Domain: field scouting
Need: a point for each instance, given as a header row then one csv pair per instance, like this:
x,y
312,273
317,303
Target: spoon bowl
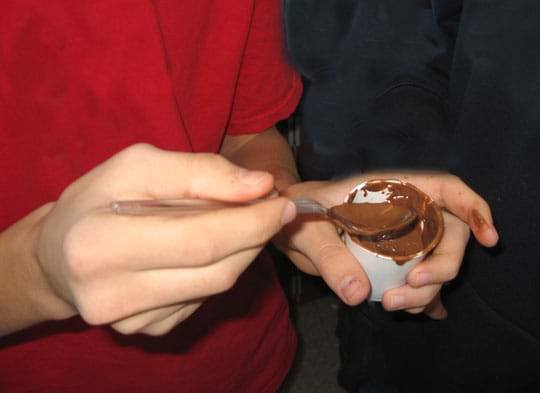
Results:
x,y
372,219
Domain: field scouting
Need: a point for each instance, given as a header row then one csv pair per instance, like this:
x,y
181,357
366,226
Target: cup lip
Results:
x,y
438,213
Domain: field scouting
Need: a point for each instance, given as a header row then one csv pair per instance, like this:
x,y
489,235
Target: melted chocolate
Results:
x,y
373,219
416,239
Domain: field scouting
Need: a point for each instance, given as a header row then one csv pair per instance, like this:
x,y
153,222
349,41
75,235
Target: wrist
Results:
x,y
26,296
48,303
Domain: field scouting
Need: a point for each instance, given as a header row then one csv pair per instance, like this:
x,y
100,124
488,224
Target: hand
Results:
x,y
315,247
147,274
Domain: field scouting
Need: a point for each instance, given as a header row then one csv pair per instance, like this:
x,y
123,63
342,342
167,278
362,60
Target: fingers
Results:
x,y
157,261
169,286
422,294
156,322
443,264
141,243
135,323
414,300
341,271
436,309
165,174
111,298
165,326
483,228
470,207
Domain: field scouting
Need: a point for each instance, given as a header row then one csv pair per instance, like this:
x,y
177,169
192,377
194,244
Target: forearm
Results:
x,y
266,151
25,296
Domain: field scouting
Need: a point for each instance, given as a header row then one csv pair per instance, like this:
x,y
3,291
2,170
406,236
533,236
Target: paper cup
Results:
x,y
387,262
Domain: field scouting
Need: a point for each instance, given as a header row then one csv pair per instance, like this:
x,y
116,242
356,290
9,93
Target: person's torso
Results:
x,y
374,100
80,81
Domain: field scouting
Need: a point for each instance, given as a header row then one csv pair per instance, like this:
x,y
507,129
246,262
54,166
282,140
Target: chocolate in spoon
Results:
x,y
364,219
372,219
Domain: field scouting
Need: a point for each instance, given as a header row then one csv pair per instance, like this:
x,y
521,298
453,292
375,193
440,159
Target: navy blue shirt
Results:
x,y
452,85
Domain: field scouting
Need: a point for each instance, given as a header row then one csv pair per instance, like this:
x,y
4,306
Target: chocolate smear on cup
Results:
x,y
417,239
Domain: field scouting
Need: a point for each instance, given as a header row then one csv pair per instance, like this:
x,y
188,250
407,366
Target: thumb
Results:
x,y
212,176
166,174
334,262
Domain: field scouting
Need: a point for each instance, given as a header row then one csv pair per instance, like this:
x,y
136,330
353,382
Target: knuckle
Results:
x,y
100,305
226,279
136,155
201,162
80,263
90,313
448,181
453,178
328,252
200,165
452,273
137,150
452,181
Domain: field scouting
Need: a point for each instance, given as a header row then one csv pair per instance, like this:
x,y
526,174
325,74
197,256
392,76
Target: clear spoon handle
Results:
x,y
309,206
183,207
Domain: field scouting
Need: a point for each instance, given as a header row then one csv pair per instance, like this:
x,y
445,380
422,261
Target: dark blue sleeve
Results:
x,y
376,82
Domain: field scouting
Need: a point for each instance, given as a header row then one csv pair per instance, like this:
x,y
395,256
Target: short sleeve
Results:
x,y
268,88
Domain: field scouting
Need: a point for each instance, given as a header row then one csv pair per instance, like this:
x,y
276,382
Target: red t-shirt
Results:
x,y
81,80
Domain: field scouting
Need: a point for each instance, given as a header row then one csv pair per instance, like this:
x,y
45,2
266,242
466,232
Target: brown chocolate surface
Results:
x,y
419,238
372,219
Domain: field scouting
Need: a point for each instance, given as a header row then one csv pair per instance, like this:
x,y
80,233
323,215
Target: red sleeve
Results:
x,y
268,88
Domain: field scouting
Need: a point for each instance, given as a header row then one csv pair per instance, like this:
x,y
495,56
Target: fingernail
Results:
x,y
397,302
251,178
495,235
350,286
289,213
423,278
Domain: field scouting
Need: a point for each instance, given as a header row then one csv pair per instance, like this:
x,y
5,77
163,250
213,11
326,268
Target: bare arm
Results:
x,y
312,250
315,247
25,295
77,257
267,151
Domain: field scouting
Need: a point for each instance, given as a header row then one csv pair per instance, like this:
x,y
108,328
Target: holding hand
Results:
x,y
147,274
315,247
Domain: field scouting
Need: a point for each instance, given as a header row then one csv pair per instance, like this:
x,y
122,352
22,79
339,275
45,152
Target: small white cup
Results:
x,y
383,271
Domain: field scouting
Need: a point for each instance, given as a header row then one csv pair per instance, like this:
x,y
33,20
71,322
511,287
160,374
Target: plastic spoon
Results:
x,y
361,219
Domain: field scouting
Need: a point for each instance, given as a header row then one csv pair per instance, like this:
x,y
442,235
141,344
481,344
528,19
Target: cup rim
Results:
x,y
438,213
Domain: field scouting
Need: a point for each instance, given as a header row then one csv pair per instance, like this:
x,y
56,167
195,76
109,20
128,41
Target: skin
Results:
x,y
75,256
315,247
